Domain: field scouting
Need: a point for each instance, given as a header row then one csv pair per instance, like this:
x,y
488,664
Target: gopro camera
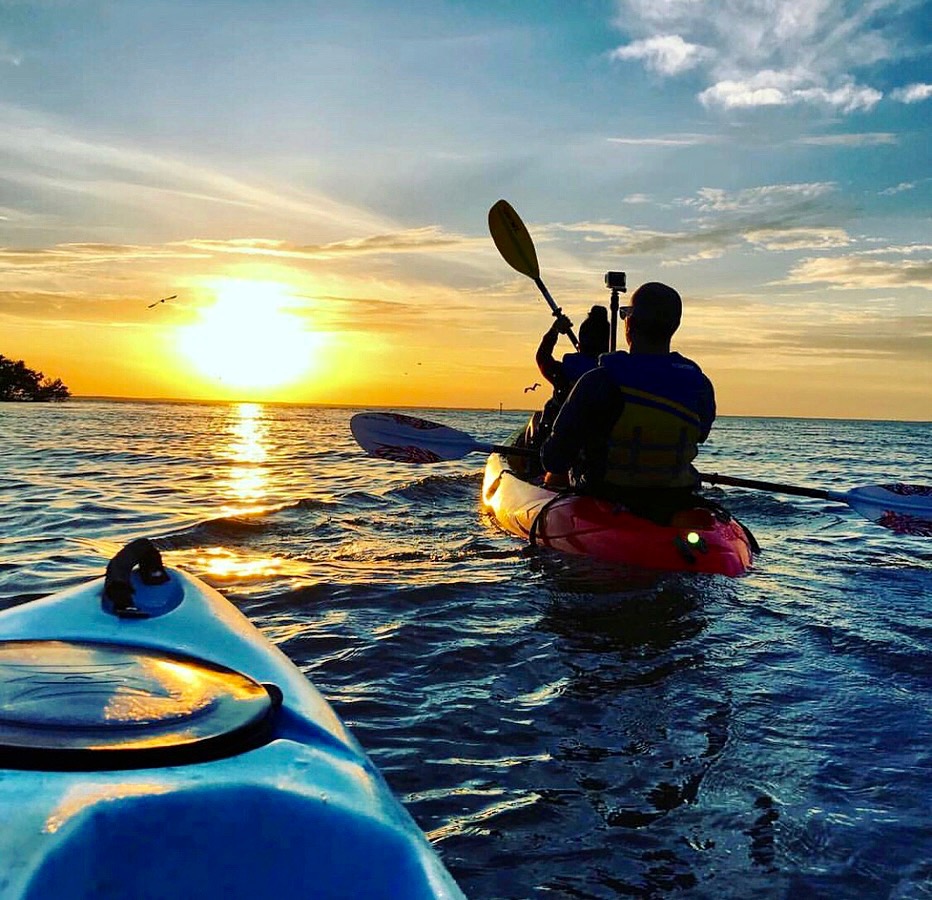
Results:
x,y
615,281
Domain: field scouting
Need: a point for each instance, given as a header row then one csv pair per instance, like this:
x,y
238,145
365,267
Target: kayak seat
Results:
x,y
232,840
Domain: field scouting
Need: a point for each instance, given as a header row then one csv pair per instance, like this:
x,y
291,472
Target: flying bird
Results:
x,y
533,387
157,302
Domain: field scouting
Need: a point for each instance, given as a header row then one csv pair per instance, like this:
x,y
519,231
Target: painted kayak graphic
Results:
x,y
696,540
153,743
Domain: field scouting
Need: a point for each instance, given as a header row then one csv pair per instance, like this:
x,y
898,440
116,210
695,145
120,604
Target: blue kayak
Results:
x,y
154,744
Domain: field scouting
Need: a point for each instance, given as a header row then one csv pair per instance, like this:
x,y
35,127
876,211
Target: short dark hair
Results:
x,y
656,310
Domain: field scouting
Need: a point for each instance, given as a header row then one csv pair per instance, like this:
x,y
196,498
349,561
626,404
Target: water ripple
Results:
x,y
556,726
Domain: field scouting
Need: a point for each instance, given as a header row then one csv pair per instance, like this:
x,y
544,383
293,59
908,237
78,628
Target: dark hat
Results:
x,y
594,332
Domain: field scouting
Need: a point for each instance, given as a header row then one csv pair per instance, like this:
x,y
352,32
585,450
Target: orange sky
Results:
x,y
313,183
272,331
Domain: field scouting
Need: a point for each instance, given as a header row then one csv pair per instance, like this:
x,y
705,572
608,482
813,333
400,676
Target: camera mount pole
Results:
x,y
615,281
614,308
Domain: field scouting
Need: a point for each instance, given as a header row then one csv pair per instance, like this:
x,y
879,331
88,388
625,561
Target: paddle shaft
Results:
x,y
507,451
557,312
713,478
817,493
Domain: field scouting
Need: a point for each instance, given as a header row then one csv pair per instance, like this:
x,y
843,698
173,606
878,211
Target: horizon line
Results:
x,y
503,409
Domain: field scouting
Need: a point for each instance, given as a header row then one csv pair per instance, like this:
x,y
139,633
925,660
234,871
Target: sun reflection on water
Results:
x,y
222,563
248,476
245,490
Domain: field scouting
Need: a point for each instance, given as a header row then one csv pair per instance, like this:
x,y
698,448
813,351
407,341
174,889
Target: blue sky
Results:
x,y
769,159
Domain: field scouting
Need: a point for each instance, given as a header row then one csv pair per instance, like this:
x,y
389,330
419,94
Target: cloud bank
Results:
x,y
760,53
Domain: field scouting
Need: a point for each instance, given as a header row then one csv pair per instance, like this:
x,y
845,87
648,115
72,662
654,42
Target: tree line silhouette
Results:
x,y
19,382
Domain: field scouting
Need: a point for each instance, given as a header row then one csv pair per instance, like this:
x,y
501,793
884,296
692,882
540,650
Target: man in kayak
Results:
x,y
631,427
565,372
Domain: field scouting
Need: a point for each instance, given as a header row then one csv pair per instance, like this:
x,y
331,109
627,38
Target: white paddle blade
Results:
x,y
903,508
408,439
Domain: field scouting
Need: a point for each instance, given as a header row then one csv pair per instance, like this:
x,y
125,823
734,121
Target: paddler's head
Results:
x,y
594,333
652,318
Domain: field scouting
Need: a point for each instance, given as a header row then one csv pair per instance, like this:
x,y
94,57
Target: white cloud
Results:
x,y
854,272
772,88
766,196
912,93
898,189
798,238
429,239
741,95
701,256
849,97
667,54
637,198
45,155
862,139
673,140
896,250
775,217
760,53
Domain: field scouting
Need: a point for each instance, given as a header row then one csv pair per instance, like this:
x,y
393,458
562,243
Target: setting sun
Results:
x,y
249,337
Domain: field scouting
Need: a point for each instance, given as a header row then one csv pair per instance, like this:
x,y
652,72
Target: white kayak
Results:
x,y
154,744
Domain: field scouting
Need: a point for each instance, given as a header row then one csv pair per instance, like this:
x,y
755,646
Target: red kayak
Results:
x,y
696,540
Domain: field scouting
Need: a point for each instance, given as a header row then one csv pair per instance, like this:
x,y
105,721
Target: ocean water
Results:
x,y
557,728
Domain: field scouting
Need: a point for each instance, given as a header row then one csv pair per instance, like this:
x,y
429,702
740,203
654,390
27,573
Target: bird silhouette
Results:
x,y
157,302
533,387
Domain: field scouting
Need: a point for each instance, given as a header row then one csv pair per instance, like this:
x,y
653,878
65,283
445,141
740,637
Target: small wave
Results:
x,y
439,487
887,656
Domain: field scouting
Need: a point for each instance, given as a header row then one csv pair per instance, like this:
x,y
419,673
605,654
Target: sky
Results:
x,y
310,183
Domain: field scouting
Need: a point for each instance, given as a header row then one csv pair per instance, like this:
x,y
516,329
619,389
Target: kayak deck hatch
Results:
x,y
86,705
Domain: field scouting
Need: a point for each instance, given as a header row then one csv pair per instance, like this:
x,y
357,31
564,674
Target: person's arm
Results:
x,y
706,410
548,366
582,409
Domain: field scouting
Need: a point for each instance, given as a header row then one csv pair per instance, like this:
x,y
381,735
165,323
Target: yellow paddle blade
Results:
x,y
512,239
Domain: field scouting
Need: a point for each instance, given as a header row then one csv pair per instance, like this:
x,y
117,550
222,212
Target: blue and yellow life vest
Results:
x,y
668,409
575,365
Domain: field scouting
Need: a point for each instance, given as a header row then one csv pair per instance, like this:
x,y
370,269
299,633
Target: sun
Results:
x,y
248,338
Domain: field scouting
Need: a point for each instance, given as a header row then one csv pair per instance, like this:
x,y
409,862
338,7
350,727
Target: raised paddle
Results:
x,y
517,249
903,508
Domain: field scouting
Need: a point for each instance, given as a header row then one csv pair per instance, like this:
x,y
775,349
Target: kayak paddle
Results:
x,y
903,508
517,249
408,439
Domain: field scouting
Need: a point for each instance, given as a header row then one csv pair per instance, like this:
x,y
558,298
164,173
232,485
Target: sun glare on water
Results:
x,y
249,339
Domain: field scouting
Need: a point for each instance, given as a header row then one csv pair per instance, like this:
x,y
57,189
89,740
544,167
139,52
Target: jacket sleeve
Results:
x,y
579,415
706,410
550,368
